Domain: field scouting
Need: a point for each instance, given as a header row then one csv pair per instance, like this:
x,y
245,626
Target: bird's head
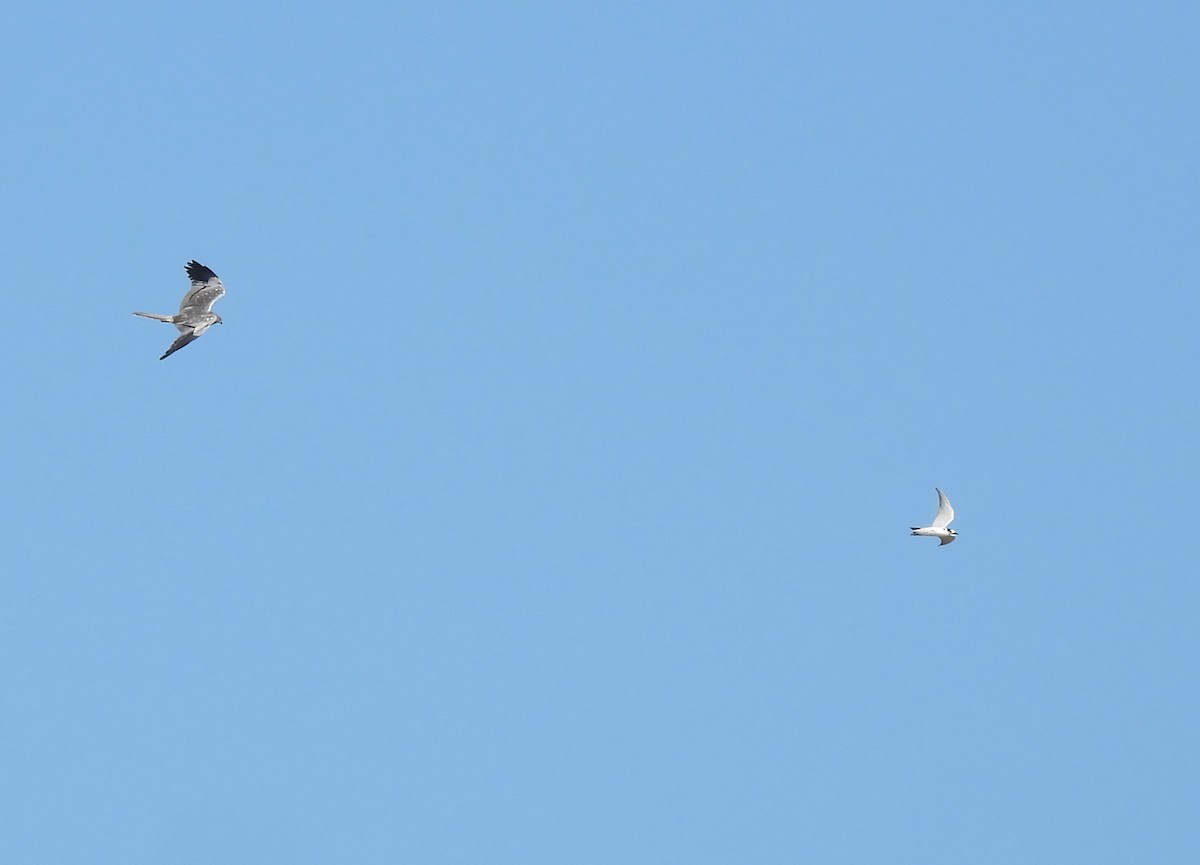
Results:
x,y
951,531
218,321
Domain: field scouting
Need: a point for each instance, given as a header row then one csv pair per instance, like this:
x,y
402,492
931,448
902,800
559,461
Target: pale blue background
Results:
x,y
545,496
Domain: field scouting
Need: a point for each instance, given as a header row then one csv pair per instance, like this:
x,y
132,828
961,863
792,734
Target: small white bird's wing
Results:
x,y
205,291
949,539
945,514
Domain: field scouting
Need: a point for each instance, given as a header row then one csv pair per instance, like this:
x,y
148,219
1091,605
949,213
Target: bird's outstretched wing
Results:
x,y
205,291
184,338
949,539
945,513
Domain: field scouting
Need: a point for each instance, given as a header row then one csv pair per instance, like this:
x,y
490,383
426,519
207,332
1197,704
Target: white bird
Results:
x,y
195,311
945,516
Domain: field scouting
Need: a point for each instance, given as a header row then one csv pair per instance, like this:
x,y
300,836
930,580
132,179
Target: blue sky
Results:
x,y
545,496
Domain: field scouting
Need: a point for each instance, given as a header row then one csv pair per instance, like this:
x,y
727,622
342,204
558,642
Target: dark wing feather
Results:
x,y
197,272
184,339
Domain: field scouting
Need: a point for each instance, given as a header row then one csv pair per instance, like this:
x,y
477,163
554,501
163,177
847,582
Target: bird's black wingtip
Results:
x,y
197,272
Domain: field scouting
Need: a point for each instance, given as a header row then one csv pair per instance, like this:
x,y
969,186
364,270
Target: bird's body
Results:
x,y
195,314
939,528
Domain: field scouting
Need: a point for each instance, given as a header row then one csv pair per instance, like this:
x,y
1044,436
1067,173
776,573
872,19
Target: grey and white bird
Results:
x,y
195,314
945,515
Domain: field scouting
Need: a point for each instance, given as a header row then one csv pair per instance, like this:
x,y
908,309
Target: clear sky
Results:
x,y
545,496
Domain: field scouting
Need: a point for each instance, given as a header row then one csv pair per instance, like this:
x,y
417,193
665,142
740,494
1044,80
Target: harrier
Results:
x,y
195,311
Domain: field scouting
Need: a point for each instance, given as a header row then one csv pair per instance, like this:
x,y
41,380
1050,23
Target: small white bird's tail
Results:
x,y
156,316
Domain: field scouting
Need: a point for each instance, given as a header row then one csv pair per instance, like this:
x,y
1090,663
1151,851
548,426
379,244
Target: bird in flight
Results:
x,y
195,314
945,516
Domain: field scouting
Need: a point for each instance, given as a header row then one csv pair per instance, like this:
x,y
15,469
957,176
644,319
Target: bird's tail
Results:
x,y
156,316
